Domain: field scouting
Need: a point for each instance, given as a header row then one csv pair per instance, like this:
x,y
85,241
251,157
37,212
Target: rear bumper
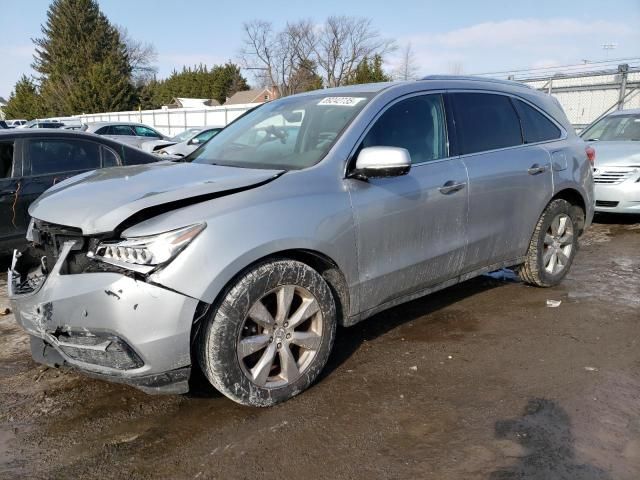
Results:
x,y
622,198
108,325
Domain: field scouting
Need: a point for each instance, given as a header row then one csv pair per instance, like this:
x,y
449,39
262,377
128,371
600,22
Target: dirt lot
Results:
x,y
483,380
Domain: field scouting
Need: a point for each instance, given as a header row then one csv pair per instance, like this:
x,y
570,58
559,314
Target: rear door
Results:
x,y
411,229
510,182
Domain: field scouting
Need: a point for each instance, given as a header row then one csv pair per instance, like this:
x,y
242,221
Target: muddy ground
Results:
x,y
480,381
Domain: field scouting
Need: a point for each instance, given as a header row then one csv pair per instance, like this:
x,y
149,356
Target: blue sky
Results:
x,y
472,36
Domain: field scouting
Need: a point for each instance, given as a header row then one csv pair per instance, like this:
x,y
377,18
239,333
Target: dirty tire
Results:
x,y
219,345
533,271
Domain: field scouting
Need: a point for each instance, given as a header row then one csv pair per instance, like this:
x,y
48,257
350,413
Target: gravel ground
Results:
x,y
480,381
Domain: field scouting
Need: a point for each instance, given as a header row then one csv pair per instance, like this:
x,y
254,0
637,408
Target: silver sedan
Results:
x,y
616,173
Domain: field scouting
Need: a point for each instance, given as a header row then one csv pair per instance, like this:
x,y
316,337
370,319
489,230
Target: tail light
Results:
x,y
591,154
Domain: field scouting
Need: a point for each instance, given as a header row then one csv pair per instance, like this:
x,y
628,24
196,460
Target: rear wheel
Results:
x,y
553,246
271,335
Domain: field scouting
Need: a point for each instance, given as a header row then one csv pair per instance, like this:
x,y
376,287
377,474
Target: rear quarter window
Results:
x,y
536,127
485,121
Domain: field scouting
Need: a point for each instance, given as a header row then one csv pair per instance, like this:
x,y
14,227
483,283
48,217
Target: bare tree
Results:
x,y
456,68
288,59
407,68
278,57
342,43
142,57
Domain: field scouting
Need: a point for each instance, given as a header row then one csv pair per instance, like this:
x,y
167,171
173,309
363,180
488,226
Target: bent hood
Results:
x,y
623,154
100,200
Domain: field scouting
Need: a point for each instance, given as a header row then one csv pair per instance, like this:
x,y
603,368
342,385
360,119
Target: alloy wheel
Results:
x,y
558,244
280,336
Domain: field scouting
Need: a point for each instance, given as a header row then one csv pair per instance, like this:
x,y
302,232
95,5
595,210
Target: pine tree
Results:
x,y
369,71
25,101
82,61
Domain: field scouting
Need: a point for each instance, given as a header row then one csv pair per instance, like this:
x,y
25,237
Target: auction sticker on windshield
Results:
x,y
341,101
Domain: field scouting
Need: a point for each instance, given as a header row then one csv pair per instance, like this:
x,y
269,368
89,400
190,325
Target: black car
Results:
x,y
31,161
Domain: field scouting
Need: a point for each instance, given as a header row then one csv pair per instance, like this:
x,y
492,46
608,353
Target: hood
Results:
x,y
100,200
616,153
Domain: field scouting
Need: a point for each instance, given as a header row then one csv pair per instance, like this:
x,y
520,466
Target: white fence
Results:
x,y
175,120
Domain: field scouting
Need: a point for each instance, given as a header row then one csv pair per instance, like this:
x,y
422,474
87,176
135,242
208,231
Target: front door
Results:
x,y
12,225
411,230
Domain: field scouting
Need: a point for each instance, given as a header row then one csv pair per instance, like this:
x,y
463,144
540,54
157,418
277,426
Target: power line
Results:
x,y
566,67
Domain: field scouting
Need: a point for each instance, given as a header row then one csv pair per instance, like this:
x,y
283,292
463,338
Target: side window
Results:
x,y
485,121
535,126
417,124
6,159
145,132
109,158
56,156
204,136
121,130
104,131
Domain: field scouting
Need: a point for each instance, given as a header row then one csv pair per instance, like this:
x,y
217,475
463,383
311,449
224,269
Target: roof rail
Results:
x,y
475,79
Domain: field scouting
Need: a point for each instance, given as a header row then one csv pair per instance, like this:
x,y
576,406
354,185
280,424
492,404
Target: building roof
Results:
x,y
251,96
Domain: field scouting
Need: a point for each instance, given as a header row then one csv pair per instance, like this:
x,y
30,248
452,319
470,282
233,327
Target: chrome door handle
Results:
x,y
7,192
536,169
451,186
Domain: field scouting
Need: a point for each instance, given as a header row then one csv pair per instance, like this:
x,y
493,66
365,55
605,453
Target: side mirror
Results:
x,y
381,162
194,141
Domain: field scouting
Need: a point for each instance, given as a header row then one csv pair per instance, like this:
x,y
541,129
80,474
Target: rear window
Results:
x,y
485,121
535,126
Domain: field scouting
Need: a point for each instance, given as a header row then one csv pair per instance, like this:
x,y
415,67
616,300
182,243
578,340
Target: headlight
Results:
x,y
30,231
148,251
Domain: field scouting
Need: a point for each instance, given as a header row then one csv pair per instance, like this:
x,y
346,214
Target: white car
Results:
x,y
185,147
152,146
16,123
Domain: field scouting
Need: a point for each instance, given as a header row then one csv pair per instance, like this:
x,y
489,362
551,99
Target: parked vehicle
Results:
x,y
311,211
42,124
616,174
16,123
134,134
32,161
185,147
153,145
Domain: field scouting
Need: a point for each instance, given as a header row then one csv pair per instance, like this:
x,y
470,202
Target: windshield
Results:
x,y
290,133
614,128
186,135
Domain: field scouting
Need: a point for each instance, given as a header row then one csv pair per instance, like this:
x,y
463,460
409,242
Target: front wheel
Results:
x,y
553,246
271,334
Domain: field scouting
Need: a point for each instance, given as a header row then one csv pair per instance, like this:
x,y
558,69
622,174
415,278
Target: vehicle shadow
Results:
x,y
544,432
349,340
616,218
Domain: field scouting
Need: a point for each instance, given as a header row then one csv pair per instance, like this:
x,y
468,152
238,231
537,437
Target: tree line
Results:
x,y
85,64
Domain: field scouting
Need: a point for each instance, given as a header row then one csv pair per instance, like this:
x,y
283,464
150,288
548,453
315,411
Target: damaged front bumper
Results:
x,y
106,324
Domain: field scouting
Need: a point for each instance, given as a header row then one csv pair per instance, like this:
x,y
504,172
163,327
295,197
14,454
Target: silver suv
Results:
x,y
312,211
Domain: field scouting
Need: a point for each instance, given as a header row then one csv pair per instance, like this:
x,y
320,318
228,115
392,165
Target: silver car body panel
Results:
x,y
118,193
154,321
392,239
617,176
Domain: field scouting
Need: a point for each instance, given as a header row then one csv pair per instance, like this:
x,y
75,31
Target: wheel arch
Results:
x,y
322,263
576,199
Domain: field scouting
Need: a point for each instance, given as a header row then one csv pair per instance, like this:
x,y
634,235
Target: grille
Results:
x,y
612,175
606,203
99,349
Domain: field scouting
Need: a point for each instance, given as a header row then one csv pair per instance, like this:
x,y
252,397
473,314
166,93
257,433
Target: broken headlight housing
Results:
x,y
143,254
